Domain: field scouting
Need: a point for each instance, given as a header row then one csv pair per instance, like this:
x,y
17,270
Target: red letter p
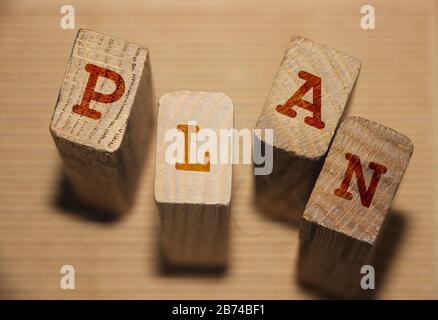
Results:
x,y
95,72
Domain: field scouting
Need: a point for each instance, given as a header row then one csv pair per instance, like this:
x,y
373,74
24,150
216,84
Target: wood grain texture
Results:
x,y
337,72
229,46
103,148
349,203
303,107
193,197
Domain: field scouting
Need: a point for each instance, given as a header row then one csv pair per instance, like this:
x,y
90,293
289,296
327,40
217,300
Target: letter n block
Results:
x,y
101,119
348,205
303,107
193,192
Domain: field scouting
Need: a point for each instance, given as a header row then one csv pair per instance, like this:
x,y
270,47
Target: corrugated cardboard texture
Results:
x,y
229,46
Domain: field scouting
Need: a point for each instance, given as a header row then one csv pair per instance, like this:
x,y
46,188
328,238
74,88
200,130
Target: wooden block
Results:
x,y
304,105
102,119
193,195
348,205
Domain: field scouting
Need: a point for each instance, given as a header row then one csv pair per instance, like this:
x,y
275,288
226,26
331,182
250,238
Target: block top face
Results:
x,y
308,97
188,180
361,151
98,90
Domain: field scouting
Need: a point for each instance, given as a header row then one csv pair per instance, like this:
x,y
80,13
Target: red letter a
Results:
x,y
314,82
354,166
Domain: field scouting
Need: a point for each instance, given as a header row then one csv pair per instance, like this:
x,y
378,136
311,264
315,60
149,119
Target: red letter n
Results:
x,y
354,166
89,94
314,82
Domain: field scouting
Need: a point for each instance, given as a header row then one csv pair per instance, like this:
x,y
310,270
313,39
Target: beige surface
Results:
x,y
213,46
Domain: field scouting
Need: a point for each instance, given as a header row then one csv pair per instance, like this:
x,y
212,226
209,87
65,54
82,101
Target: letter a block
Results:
x,y
101,119
348,205
304,105
193,192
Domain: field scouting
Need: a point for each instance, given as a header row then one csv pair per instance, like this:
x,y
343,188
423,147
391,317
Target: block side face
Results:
x,y
349,209
195,234
337,72
118,66
330,261
211,112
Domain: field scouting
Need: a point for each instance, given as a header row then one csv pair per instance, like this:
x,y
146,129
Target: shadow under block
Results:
x,y
303,107
103,118
193,193
348,205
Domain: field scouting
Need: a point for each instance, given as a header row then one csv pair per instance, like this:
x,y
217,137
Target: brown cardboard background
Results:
x,y
229,46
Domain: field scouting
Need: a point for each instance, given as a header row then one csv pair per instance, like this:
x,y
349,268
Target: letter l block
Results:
x,y
193,195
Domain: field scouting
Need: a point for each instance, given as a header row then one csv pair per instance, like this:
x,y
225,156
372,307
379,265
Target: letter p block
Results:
x,y
102,119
